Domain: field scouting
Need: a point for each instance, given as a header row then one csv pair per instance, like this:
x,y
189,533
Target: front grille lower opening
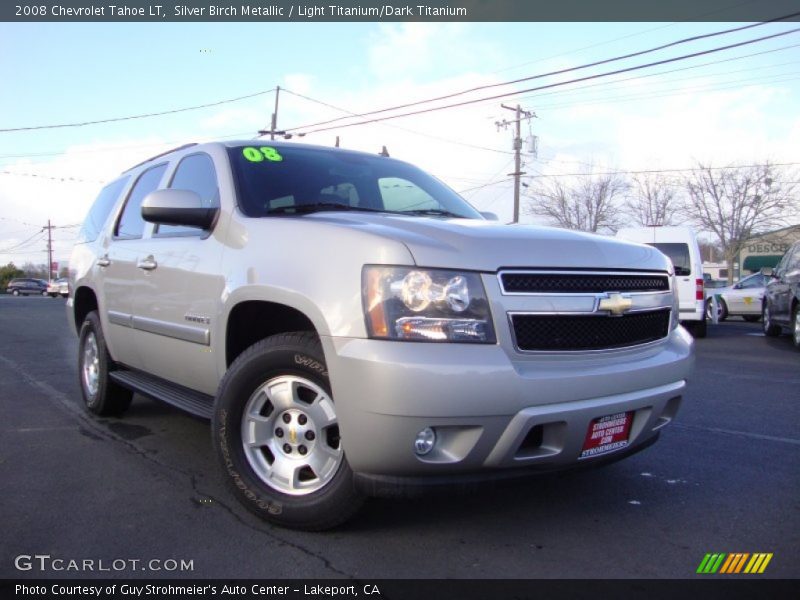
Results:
x,y
588,332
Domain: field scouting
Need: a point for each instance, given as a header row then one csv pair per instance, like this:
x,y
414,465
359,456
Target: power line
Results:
x,y
559,84
421,133
30,240
740,84
624,37
648,75
142,116
551,73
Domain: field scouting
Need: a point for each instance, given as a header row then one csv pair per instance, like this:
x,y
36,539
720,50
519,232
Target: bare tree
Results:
x,y
591,204
653,201
735,203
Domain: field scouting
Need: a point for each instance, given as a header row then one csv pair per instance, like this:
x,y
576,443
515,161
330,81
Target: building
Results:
x,y
766,249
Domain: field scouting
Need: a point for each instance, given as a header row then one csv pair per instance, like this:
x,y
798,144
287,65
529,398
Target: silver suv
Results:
x,y
353,327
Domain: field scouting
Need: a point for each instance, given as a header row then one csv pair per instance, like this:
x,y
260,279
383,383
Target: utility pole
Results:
x,y
517,150
49,228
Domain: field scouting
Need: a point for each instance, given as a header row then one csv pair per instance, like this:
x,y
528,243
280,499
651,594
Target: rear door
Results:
x,y
678,253
788,274
120,270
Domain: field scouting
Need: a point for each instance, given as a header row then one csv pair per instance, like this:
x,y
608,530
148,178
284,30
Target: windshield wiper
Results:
x,y
432,211
304,209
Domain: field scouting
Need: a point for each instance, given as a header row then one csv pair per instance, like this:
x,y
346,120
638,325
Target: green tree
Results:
x,y
7,273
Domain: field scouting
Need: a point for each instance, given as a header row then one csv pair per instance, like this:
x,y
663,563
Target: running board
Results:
x,y
196,403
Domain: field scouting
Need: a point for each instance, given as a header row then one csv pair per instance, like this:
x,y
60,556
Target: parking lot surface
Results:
x,y
725,477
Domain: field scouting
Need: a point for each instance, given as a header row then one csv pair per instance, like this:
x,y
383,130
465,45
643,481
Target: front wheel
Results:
x,y
770,328
796,327
15,293
101,395
276,433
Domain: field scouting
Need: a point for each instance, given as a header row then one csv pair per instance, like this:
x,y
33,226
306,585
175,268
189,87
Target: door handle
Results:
x,y
148,264
103,262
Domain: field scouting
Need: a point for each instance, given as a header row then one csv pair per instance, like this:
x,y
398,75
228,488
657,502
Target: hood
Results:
x,y
479,245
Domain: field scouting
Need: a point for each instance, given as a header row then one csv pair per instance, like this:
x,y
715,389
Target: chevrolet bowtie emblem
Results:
x,y
616,304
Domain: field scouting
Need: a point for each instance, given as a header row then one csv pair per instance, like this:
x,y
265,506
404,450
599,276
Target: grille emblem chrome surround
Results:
x,y
616,304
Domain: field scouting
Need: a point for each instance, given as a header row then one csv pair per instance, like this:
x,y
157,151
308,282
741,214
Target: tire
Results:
x,y
276,435
751,318
44,293
101,396
770,328
698,329
15,293
796,327
722,310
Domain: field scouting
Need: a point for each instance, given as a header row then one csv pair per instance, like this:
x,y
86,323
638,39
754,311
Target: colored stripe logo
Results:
x,y
737,562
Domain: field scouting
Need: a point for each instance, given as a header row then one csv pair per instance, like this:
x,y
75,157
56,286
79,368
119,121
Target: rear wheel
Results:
x,y
770,328
796,327
101,395
698,329
276,433
722,309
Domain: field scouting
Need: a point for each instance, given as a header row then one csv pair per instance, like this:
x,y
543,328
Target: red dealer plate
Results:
x,y
607,433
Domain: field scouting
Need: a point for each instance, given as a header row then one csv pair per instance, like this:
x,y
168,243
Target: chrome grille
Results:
x,y
578,283
543,332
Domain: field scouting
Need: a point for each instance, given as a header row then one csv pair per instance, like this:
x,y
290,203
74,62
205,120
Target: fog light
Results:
x,y
425,441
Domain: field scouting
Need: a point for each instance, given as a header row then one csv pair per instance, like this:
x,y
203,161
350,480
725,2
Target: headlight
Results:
x,y
675,315
406,303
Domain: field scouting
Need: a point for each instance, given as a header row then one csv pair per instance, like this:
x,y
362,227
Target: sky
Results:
x,y
736,106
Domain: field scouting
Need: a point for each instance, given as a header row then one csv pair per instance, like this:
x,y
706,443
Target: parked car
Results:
x,y
780,308
26,286
680,245
740,299
59,287
351,326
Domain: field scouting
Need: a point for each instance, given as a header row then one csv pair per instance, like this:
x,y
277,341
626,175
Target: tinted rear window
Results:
x,y
679,255
100,210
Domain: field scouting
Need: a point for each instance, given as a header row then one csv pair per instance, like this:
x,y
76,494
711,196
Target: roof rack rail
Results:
x,y
162,154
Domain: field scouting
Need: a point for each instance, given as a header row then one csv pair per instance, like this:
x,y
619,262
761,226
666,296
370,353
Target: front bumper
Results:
x,y
493,409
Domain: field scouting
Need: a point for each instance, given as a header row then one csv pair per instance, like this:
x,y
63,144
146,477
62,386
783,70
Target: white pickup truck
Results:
x,y
352,327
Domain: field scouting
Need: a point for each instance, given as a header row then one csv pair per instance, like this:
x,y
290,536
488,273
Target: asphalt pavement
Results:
x,y
145,489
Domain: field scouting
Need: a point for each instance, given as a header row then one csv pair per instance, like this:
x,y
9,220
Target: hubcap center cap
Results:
x,y
296,433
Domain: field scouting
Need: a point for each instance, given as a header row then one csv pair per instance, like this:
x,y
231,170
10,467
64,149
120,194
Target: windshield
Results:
x,y
679,255
285,179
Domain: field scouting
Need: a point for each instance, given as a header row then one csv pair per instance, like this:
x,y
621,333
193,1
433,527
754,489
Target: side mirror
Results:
x,y
178,207
490,216
767,271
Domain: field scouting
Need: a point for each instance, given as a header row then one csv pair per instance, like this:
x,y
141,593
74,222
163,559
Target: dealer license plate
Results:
x,y
607,433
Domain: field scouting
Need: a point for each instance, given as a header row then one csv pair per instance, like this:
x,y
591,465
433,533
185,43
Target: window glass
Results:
x,y
131,223
753,281
679,255
401,194
195,173
271,178
793,261
100,210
